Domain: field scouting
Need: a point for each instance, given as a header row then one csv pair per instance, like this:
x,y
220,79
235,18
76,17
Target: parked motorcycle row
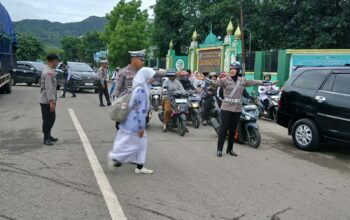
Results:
x,y
188,108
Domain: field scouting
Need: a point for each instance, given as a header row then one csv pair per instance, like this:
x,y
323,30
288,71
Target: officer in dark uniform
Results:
x,y
48,98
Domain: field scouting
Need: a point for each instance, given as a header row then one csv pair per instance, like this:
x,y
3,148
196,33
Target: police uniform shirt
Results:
x,y
48,86
124,80
102,74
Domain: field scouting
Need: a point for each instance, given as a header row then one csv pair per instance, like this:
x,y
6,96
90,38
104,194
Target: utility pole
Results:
x,y
242,36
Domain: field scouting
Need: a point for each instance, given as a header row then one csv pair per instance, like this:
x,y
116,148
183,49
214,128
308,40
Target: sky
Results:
x,y
62,10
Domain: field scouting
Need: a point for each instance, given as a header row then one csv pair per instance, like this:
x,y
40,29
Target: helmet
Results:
x,y
170,72
213,74
267,74
235,65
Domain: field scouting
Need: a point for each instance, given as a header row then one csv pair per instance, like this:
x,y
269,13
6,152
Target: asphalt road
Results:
x,y
276,181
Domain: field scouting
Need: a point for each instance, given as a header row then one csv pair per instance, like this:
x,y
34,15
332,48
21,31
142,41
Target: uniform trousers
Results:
x,y
229,122
48,119
103,91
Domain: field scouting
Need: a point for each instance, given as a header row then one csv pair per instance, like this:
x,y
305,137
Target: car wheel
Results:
x,y
305,134
58,87
29,84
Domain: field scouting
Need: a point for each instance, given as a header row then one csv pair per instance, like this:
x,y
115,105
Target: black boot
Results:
x,y
47,140
52,139
219,153
102,105
231,152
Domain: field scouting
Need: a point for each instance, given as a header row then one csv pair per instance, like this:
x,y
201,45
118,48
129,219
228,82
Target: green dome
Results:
x,y
211,38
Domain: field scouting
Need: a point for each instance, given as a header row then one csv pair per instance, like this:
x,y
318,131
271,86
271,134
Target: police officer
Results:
x,y
103,88
126,75
48,98
233,88
68,81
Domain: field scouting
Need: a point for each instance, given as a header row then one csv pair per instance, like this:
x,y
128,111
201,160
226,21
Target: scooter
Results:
x,y
248,128
271,111
179,103
215,117
156,95
193,107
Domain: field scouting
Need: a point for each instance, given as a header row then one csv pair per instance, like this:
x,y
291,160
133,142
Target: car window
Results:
x,y
20,66
38,66
341,84
80,67
328,86
311,79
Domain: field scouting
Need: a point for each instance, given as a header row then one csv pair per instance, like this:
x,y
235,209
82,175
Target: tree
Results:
x,y
274,24
71,47
91,43
30,49
127,29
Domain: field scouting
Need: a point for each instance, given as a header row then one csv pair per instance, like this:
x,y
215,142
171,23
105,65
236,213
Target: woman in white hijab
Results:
x,y
130,144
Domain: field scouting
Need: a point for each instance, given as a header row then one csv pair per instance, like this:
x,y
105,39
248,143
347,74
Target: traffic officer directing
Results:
x,y
48,98
233,87
126,75
103,88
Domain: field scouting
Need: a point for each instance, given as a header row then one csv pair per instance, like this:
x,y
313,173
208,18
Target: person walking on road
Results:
x,y
103,87
130,144
233,87
68,82
125,76
48,98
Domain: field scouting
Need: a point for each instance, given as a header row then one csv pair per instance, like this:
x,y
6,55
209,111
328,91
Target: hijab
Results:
x,y
142,78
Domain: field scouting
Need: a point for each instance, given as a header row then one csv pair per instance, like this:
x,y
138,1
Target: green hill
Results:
x,y
51,33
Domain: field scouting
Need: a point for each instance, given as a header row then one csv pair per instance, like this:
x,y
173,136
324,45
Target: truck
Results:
x,y
8,46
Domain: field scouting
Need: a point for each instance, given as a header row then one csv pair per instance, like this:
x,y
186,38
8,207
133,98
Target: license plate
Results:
x,y
181,100
89,84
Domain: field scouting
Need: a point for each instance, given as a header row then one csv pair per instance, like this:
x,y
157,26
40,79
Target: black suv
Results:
x,y
28,72
315,106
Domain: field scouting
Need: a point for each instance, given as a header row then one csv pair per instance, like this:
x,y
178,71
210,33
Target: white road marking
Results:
x,y
109,196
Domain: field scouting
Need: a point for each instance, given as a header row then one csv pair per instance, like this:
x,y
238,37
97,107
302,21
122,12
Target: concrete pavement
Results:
x,y
276,181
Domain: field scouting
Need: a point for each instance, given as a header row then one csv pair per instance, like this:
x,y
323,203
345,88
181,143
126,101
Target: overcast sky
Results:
x,y
62,10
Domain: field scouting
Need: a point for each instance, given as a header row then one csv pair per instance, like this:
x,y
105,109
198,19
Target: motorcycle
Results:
x,y
215,118
156,95
193,107
179,103
271,111
248,128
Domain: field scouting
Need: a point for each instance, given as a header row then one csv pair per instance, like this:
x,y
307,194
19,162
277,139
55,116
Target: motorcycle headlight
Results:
x,y
247,117
156,96
195,105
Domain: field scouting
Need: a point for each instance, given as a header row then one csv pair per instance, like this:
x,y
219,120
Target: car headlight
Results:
x,y
76,77
195,105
